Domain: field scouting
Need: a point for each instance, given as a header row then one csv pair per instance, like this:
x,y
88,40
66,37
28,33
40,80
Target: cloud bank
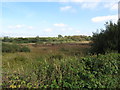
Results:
x,y
113,18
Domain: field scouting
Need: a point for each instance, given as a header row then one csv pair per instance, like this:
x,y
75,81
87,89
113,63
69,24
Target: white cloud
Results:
x,y
60,25
113,18
10,27
77,0
84,1
78,31
48,30
70,28
111,6
20,26
16,26
66,29
89,5
58,0
114,7
30,27
93,0
65,8
63,29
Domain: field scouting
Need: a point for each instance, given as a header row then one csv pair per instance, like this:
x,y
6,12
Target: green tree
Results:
x,y
60,36
106,40
7,39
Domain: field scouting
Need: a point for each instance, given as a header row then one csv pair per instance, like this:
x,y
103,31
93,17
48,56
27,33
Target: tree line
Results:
x,y
38,39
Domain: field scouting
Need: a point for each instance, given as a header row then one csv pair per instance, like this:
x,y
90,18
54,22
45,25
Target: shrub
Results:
x,y
11,48
24,49
107,40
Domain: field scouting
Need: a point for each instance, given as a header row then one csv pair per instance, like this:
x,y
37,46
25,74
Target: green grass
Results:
x,y
57,66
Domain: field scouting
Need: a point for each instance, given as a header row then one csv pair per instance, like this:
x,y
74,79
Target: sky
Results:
x,y
49,19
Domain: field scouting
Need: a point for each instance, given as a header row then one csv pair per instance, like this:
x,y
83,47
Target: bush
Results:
x,y
107,40
11,48
24,49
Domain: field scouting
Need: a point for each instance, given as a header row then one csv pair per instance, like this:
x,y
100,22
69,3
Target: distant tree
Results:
x,y
60,36
37,38
7,39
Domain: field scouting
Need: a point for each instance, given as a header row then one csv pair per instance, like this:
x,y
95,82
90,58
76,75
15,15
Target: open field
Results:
x,y
59,65
44,51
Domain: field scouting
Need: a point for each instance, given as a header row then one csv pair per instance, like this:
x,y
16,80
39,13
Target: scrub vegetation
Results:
x,y
63,62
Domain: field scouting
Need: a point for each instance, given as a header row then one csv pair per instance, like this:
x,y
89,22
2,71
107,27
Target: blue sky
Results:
x,y
48,19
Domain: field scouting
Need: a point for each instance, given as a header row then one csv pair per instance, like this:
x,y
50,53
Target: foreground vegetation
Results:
x,y
63,63
58,71
60,66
